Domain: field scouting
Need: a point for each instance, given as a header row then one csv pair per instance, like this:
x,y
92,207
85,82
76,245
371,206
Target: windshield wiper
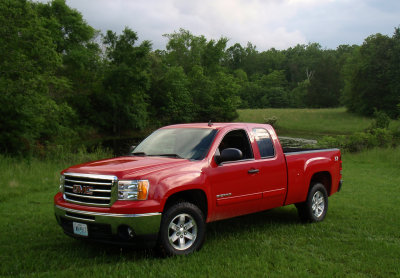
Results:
x,y
168,154
139,154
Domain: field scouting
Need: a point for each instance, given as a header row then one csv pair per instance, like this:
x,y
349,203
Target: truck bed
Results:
x,y
299,164
303,150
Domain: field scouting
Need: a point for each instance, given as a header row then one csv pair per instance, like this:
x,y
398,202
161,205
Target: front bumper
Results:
x,y
110,227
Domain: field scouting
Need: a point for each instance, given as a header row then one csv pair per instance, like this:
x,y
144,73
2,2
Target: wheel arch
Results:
x,y
323,177
195,196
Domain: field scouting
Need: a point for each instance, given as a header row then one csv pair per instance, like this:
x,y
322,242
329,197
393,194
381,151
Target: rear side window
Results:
x,y
264,142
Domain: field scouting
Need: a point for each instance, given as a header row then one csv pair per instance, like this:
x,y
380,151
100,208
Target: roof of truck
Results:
x,y
206,125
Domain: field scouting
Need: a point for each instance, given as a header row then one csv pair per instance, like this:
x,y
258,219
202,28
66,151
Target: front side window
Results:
x,y
188,143
264,142
237,139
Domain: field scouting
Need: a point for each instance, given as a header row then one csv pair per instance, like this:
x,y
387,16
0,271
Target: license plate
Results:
x,y
80,229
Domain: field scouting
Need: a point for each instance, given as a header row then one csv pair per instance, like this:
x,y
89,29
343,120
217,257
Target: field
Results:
x,y
360,236
310,123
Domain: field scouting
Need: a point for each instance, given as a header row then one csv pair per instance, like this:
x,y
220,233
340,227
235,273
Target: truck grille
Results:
x,y
87,189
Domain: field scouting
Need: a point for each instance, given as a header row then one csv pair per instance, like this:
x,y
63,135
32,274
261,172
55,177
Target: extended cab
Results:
x,y
184,176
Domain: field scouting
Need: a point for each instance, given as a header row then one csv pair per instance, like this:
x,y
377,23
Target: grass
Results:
x,y
311,123
360,236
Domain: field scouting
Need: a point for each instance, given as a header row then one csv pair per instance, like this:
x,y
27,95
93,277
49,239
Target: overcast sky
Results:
x,y
265,23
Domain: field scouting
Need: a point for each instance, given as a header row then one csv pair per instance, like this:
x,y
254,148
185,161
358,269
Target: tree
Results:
x,y
175,101
82,67
185,50
324,86
200,88
123,103
234,57
321,71
226,98
372,76
213,92
29,114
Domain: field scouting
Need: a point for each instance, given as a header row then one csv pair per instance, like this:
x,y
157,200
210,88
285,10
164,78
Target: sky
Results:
x,y
266,24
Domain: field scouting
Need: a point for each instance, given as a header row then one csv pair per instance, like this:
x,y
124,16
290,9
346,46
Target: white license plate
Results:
x,y
80,229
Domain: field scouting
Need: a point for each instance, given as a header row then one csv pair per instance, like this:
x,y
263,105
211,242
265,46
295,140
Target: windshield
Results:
x,y
188,143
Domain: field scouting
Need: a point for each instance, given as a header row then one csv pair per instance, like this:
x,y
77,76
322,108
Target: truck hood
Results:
x,y
127,167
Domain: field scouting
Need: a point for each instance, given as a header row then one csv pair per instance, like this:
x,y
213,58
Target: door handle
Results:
x,y
253,171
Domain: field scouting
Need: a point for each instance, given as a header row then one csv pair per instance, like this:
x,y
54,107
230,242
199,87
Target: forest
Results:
x,y
63,82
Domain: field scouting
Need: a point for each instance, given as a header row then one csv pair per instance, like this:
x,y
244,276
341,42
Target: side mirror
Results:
x,y
229,154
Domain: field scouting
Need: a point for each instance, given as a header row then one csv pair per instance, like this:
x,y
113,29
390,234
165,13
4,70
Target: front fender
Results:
x,y
183,181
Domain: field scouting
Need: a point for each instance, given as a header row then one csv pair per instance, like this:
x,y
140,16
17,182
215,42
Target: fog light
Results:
x,y
126,232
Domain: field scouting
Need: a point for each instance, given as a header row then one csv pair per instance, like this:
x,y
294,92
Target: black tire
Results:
x,y
182,230
315,207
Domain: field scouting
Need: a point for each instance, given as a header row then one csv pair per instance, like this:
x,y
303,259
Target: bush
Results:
x,y
381,120
271,121
359,141
332,142
384,137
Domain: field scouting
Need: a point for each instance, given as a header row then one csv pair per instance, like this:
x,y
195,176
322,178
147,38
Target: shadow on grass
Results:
x,y
106,253
115,252
266,220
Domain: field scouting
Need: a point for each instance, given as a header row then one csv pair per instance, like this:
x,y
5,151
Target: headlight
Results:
x,y
62,181
133,190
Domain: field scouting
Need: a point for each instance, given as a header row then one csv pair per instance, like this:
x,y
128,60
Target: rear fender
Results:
x,y
313,167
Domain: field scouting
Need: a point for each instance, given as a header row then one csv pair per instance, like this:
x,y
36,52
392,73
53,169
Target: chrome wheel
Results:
x,y
318,204
182,231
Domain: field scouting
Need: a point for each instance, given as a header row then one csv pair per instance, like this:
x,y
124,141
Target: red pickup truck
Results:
x,y
184,176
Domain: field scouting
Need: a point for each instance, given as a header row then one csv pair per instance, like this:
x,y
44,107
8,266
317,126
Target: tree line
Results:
x,y
60,79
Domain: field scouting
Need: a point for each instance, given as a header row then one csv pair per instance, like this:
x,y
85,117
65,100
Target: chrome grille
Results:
x,y
88,189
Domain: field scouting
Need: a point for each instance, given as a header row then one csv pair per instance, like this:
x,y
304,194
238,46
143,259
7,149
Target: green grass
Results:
x,y
310,123
360,236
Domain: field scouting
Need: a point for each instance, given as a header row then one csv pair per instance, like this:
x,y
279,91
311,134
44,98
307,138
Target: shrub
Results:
x,y
332,142
381,120
359,141
384,137
271,121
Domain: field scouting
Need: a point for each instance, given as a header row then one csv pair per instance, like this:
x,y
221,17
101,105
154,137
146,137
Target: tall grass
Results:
x,y
359,238
311,122
20,176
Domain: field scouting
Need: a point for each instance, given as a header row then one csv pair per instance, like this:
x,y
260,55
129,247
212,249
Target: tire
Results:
x,y
315,207
182,230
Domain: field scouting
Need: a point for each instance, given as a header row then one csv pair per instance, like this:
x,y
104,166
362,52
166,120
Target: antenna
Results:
x,y
210,123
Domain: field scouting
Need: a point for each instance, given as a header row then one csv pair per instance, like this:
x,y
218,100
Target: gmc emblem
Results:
x,y
82,189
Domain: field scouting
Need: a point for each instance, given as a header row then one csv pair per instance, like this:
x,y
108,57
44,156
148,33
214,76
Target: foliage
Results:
x,y
372,76
174,102
29,114
126,81
271,121
60,83
194,86
359,141
381,120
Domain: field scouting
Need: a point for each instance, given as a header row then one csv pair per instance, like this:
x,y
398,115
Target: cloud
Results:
x,y
265,23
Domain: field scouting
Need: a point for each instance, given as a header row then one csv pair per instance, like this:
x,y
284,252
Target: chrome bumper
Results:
x,y
141,224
